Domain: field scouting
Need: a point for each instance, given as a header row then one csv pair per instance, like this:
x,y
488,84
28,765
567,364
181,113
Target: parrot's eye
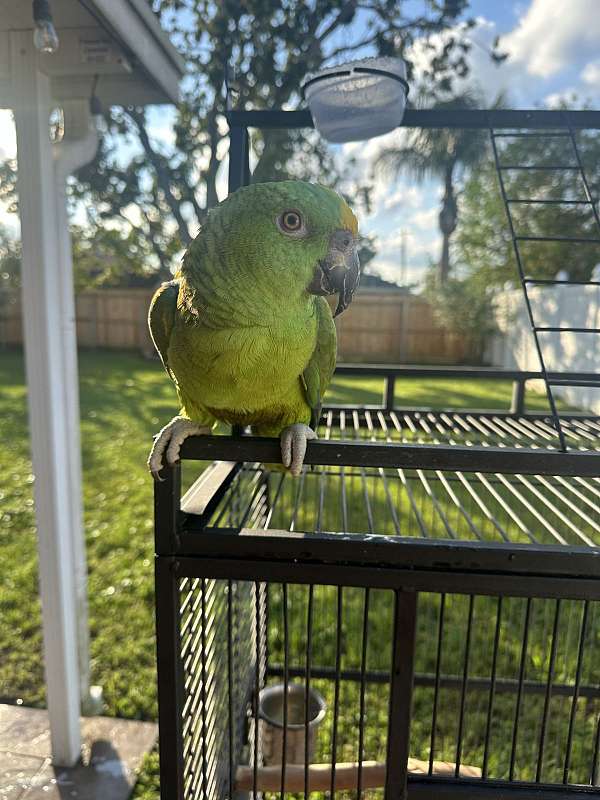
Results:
x,y
290,222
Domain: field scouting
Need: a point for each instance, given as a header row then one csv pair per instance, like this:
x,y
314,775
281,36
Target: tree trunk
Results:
x,y
448,219
445,258
162,173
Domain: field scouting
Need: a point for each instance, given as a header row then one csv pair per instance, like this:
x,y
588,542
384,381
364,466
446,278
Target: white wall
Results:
x,y
552,306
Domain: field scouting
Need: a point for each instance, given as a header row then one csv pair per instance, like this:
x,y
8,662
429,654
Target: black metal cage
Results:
x,y
434,575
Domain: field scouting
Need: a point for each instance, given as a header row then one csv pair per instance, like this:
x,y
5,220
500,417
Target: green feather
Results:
x,y
319,370
161,319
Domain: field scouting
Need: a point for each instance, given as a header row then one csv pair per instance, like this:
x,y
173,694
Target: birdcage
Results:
x,y
433,575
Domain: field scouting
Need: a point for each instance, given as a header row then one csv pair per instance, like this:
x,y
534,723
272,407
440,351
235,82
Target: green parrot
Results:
x,y
244,330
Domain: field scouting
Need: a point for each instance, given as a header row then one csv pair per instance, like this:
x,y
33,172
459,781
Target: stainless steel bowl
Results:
x,y
271,715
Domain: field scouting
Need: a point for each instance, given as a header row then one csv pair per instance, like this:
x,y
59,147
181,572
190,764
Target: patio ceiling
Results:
x,y
119,41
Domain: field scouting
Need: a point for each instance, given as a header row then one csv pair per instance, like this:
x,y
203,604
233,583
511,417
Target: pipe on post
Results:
x,y
70,155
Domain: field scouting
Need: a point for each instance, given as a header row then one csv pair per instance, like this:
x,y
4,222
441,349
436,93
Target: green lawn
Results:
x,y
124,400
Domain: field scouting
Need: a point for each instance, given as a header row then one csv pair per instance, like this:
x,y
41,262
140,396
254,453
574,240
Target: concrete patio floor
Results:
x,y
112,753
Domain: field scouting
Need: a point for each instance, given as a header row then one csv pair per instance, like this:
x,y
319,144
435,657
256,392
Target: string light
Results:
x,y
45,37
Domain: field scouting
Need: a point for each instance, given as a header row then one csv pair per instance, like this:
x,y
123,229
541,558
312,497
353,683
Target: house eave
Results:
x,y
134,26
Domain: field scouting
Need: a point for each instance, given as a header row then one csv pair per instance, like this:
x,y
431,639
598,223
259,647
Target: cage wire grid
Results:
x,y
460,505
510,703
469,671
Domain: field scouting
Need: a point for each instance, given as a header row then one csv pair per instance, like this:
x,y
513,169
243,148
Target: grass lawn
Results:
x,y
124,400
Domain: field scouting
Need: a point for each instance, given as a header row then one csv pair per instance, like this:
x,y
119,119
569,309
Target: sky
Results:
x,y
554,55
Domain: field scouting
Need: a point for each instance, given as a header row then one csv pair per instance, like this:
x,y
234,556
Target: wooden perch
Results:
x,y
268,779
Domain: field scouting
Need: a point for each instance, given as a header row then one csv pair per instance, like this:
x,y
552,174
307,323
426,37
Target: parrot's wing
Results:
x,y
161,318
317,375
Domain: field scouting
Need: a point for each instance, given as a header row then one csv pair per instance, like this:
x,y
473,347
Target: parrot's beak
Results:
x,y
339,272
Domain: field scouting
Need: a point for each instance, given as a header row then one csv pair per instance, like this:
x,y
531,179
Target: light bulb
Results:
x,y
45,38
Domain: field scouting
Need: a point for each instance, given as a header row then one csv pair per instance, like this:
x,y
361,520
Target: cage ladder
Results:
x,y
576,167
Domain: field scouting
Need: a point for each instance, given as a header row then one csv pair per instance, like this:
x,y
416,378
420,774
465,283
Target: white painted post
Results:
x,y
51,439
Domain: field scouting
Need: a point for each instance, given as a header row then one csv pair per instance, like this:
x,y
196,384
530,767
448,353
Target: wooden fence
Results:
x,y
381,325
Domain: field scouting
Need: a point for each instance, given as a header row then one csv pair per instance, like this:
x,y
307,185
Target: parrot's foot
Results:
x,y
170,439
293,446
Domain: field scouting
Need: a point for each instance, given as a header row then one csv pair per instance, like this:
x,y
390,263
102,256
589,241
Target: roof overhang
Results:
x,y
118,45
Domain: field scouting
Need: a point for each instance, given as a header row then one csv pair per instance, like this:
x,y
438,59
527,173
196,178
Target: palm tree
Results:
x,y
441,153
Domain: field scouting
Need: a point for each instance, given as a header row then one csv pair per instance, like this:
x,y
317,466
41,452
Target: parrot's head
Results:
x,y
283,239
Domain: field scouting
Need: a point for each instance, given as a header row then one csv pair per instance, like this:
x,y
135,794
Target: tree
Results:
x,y
104,257
443,154
10,270
483,241
161,194
463,306
10,260
108,257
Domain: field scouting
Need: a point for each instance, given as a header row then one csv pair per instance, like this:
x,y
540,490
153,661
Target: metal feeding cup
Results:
x,y
271,714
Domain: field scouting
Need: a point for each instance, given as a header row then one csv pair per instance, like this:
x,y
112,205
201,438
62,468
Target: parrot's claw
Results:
x,y
294,439
168,442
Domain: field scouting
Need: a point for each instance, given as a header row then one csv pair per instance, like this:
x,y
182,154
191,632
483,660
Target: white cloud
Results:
x,y
364,154
552,34
426,219
367,151
8,136
392,271
392,241
552,38
10,222
489,77
591,74
564,97
164,136
416,246
391,196
160,125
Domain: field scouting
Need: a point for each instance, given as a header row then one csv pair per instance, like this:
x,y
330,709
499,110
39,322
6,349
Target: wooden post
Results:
x,y
403,334
52,442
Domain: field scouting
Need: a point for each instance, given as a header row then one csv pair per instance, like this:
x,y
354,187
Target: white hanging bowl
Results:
x,y
357,100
